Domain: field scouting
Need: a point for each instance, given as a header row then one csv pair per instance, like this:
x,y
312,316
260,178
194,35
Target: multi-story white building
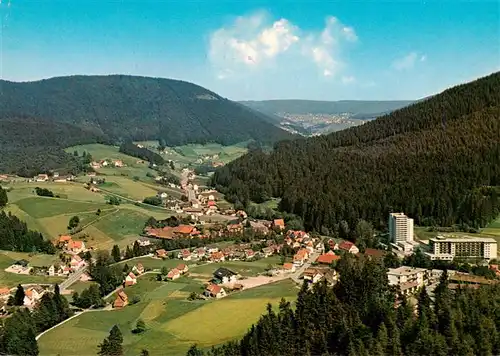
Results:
x,y
447,248
400,228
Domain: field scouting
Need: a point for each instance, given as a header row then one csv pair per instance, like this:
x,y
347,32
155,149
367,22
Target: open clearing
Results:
x,y
42,207
493,228
122,224
173,323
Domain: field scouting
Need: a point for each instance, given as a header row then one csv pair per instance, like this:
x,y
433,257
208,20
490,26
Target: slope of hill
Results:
x,y
139,108
435,160
29,145
312,118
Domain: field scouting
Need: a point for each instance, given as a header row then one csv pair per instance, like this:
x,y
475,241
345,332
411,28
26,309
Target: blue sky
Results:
x,y
323,50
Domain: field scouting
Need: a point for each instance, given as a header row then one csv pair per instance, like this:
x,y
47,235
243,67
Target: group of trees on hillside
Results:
x,y
437,160
131,149
15,236
29,146
357,317
17,336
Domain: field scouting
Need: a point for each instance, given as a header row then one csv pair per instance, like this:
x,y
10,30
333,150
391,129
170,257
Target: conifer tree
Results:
x,y
19,296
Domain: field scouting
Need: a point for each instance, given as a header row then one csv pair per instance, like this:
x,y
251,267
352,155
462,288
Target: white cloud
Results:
x,y
252,42
408,61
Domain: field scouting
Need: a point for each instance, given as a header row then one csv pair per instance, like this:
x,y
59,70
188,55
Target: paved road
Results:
x,y
295,276
72,278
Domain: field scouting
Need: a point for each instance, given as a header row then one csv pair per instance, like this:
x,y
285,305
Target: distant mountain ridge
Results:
x,y
356,107
114,109
139,108
312,117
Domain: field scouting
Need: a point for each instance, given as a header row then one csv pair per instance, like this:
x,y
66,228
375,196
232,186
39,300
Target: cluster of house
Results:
x,y
72,248
54,178
169,233
177,272
32,295
131,278
118,163
222,276
236,252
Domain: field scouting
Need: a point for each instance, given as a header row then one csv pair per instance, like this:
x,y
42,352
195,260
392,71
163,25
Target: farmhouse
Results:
x,y
161,253
327,258
224,275
51,270
75,246
121,299
312,275
300,257
173,274
42,178
182,268
217,257
185,255
279,223
185,230
288,267
267,251
130,280
249,254
32,296
348,246
215,291
138,269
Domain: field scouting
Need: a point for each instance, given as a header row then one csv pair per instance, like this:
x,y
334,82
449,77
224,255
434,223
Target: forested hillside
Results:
x,y
138,108
357,318
435,160
29,146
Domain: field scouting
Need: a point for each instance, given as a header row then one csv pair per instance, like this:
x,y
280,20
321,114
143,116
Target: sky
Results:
x,y
257,50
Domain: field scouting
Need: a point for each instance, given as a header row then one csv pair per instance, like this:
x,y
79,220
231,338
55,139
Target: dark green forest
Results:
x,y
29,146
357,317
124,107
129,148
17,335
15,236
437,160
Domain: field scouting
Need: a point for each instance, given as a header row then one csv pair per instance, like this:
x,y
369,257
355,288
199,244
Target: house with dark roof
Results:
x,y
225,275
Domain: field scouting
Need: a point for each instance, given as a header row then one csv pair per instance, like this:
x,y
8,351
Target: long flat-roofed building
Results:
x,y
447,248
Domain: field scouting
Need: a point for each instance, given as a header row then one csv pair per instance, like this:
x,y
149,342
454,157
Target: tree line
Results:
x,y
363,316
129,148
436,160
17,336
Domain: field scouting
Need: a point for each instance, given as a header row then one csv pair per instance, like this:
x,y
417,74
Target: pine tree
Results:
x,y
115,253
194,351
3,197
144,352
19,296
112,345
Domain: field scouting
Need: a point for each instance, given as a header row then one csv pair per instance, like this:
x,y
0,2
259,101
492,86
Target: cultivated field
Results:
x,y
173,322
493,228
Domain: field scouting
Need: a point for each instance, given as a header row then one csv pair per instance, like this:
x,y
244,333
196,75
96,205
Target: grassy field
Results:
x,y
173,323
128,188
122,224
42,207
493,228
242,267
10,280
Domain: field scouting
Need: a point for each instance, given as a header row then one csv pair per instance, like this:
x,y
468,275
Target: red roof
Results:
x,y
181,267
173,272
214,289
211,203
184,229
186,253
374,252
131,275
279,222
287,265
327,258
346,245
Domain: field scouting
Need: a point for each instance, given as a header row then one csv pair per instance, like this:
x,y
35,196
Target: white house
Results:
x,y
32,296
225,275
